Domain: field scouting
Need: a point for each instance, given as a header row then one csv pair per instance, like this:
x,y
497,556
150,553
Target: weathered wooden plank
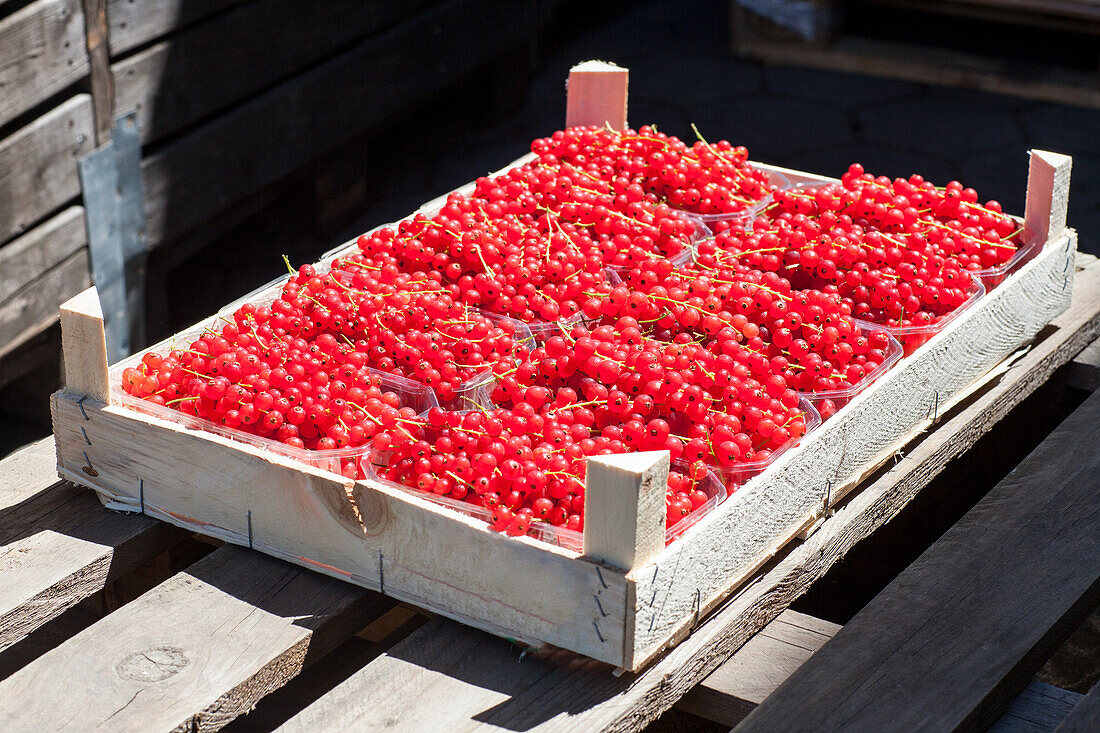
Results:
x,y
38,164
26,259
57,545
957,635
192,653
1085,716
278,131
184,78
462,678
38,271
27,471
1084,371
41,53
1040,707
31,354
755,670
132,24
99,68
374,535
758,668
34,309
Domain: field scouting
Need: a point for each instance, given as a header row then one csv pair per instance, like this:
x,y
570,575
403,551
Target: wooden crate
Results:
x,y
626,597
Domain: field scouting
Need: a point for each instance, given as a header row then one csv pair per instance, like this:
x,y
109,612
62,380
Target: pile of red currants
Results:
x,y
683,300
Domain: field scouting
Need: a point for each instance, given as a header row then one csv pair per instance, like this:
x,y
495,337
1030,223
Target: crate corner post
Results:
x,y
624,508
1047,194
84,347
596,94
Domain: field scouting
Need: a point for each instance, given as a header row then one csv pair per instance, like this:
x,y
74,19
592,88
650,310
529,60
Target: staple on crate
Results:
x,y
87,468
141,494
249,517
87,440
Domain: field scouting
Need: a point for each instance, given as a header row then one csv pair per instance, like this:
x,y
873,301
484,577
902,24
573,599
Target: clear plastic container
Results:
x,y
734,477
569,539
418,396
991,277
912,337
827,402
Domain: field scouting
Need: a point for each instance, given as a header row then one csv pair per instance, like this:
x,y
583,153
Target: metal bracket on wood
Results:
x,y
110,179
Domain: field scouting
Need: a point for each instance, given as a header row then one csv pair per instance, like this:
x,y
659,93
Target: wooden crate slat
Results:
x,y
391,539
277,132
1040,707
688,578
41,52
993,597
131,24
192,653
563,692
25,260
38,164
183,79
758,668
38,272
1085,716
57,546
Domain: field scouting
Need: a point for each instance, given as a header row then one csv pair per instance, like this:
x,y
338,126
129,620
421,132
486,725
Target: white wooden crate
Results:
x,y
627,597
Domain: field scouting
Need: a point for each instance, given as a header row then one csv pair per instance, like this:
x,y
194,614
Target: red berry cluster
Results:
x,y
903,254
700,348
526,466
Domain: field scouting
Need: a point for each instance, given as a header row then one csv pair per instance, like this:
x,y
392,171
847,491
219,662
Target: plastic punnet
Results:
x,y
827,402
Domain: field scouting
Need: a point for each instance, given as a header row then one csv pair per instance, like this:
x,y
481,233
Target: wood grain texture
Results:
x,y
624,508
85,347
27,471
278,131
758,668
41,53
38,271
596,94
184,78
38,164
193,653
57,545
1084,371
99,68
1047,194
132,24
958,634
464,679
380,537
34,309
1040,707
690,576
26,259
32,354
1085,716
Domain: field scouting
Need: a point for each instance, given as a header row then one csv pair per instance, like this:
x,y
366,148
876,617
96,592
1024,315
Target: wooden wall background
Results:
x,y
232,98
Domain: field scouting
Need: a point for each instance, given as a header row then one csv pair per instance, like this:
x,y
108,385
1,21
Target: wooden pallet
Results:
x,y
60,552
822,42
626,597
